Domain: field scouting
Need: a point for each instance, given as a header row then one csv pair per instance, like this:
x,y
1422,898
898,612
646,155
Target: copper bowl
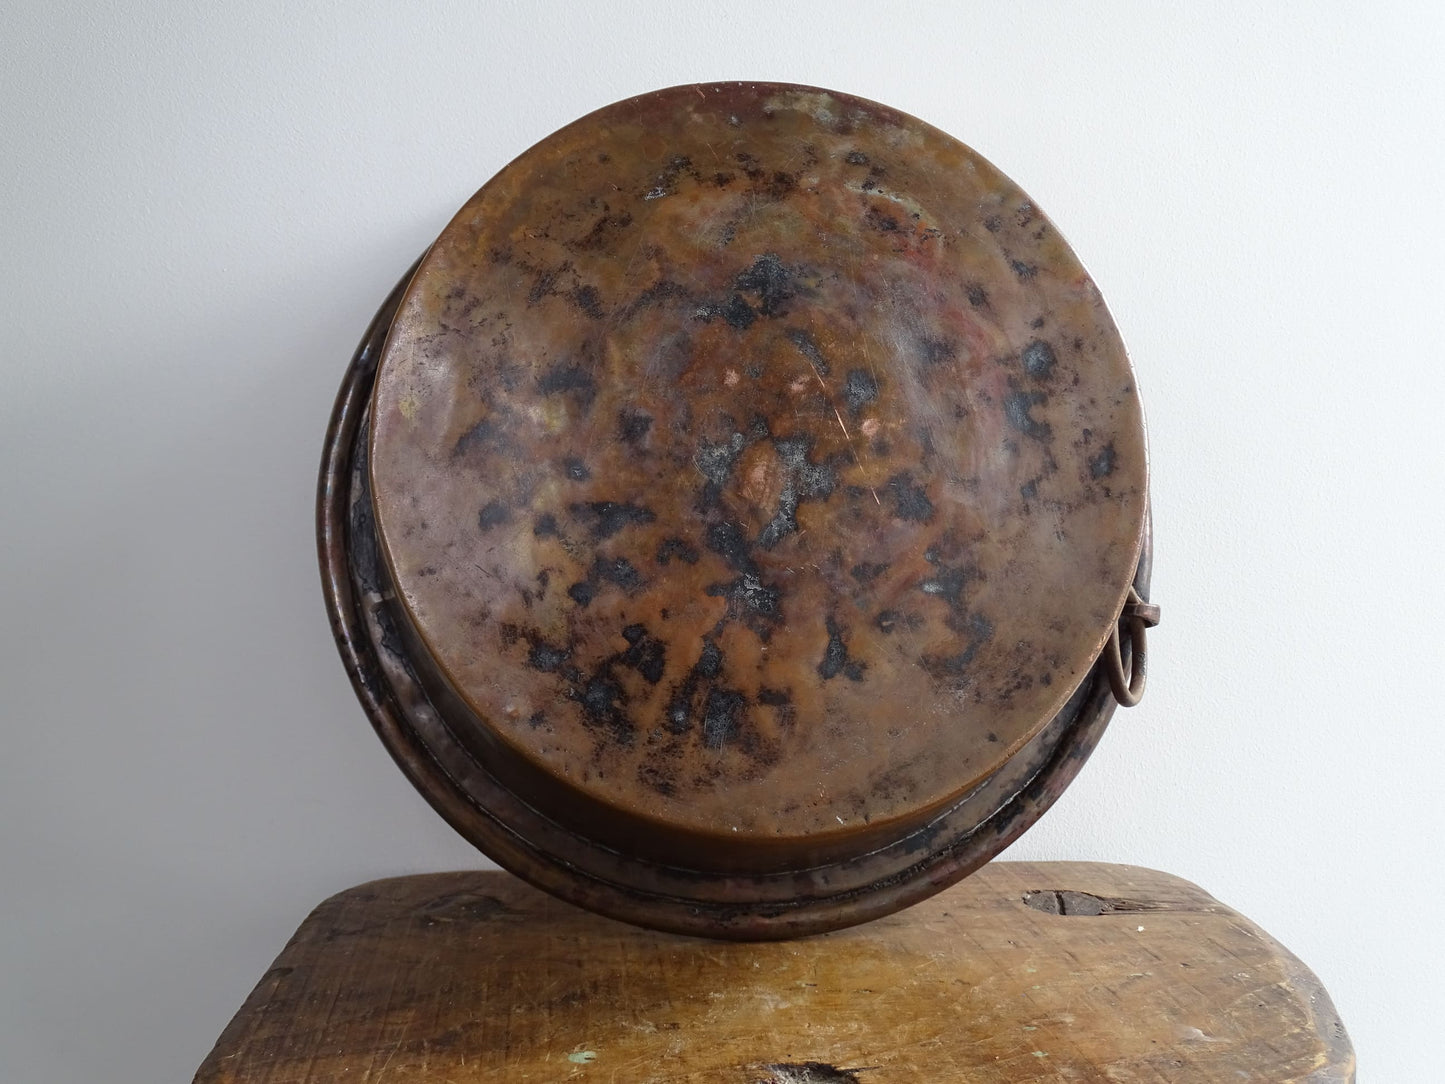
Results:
x,y
730,521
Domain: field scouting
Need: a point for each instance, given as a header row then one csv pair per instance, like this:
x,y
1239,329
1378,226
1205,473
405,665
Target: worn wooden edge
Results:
x,y
1324,1016
1096,882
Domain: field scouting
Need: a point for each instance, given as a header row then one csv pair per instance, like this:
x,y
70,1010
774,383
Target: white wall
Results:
x,y
200,213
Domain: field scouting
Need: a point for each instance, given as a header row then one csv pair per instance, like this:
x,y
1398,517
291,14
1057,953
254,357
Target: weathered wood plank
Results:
x,y
1023,972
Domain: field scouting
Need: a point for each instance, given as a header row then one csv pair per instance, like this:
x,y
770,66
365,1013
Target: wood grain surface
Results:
x,y
1023,972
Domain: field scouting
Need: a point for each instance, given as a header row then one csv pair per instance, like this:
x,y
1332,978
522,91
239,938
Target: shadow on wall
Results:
x,y
189,768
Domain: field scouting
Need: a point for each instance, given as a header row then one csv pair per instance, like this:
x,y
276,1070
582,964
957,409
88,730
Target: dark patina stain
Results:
x,y
658,294
479,435
666,181
603,231
618,571
936,351
588,300
910,500
1038,358
735,312
656,777
835,656
887,620
867,572
881,221
679,715
569,378
603,703
632,426
1024,271
716,463
774,698
803,480
728,541
723,709
771,280
722,717
860,387
755,603
546,657
808,347
709,663
949,669
546,282
679,549
1017,406
777,186
645,653
605,518
948,583
1102,465
493,514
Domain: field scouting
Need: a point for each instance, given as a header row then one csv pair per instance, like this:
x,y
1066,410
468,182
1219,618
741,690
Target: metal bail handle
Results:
x,y
1136,616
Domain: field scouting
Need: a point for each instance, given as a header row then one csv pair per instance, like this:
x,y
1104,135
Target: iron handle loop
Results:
x,y
1136,616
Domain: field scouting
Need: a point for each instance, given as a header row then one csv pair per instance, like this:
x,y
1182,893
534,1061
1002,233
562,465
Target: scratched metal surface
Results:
x,y
477,791
758,460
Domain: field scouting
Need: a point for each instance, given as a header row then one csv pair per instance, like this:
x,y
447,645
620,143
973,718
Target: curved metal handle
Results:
x,y
1136,616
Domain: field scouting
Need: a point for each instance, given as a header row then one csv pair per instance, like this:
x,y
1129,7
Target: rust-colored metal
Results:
x,y
724,523
1127,683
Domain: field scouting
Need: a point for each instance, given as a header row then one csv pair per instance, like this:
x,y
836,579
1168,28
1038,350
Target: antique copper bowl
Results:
x,y
730,522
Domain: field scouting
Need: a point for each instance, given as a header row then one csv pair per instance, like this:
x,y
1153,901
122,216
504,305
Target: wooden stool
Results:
x,y
1055,971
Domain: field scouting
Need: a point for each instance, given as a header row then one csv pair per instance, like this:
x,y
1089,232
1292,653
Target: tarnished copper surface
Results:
x,y
758,471
477,794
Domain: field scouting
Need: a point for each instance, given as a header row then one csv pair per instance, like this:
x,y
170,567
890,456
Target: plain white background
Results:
x,y
201,211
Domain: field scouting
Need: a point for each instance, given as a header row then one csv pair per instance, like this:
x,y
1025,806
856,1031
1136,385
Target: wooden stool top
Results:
x,y
1023,972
